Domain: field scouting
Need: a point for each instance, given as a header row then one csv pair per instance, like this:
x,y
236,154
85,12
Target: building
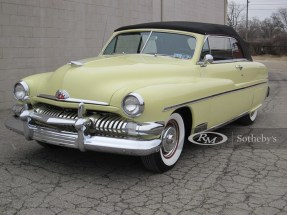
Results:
x,y
40,35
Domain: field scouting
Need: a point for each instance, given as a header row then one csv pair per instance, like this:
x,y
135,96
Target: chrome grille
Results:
x,y
54,111
103,124
110,125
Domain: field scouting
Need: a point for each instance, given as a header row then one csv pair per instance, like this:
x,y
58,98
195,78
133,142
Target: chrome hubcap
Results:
x,y
170,139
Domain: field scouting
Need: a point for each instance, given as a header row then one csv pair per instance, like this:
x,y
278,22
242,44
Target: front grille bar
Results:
x,y
104,124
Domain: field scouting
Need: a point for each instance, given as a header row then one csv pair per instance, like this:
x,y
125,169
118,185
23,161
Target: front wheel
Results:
x,y
248,119
172,144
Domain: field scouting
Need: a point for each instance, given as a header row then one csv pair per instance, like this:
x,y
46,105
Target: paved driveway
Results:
x,y
239,177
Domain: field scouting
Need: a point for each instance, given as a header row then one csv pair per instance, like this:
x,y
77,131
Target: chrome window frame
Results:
x,y
220,61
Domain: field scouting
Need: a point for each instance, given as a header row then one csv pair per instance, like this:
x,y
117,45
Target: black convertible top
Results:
x,y
195,27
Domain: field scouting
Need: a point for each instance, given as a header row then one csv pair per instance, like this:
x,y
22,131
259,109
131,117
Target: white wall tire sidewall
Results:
x,y
172,160
253,115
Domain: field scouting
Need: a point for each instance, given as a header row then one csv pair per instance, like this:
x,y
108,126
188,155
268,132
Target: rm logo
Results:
x,y
207,138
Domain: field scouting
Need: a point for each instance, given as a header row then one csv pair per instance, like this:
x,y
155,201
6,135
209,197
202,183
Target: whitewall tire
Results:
x,y
173,138
249,118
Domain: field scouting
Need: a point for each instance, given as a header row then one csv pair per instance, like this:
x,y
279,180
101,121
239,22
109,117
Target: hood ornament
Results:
x,y
62,95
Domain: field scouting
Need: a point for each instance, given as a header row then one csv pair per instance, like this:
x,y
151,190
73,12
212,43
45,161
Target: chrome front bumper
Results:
x,y
130,145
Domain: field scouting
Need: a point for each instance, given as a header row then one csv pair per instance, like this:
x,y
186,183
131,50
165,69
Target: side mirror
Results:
x,y
208,59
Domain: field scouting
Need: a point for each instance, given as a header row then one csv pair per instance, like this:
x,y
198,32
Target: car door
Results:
x,y
228,98
254,76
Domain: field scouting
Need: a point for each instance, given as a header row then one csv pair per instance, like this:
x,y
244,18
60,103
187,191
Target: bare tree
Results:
x,y
271,27
234,14
254,31
277,23
282,12
268,36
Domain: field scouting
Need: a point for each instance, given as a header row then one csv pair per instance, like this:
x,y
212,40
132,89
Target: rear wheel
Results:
x,y
172,144
248,119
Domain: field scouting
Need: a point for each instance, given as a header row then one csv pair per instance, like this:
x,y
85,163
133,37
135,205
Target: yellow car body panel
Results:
x,y
211,92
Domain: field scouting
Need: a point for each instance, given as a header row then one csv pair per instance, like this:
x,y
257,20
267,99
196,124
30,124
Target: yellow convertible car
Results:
x,y
152,86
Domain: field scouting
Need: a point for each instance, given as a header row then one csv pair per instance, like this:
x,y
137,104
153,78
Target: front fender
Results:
x,y
161,100
36,81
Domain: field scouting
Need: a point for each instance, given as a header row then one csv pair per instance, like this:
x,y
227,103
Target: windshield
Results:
x,y
156,43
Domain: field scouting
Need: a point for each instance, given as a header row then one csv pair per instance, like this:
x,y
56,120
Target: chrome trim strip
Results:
x,y
230,61
123,146
201,127
227,122
51,120
76,63
218,126
152,128
72,100
209,97
146,42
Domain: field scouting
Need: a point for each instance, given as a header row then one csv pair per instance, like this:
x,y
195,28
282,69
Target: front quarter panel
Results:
x,y
36,81
162,100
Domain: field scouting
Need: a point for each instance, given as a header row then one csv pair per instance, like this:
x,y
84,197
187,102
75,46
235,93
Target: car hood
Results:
x,y
99,78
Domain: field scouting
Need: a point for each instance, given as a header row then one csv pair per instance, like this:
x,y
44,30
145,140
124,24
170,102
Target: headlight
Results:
x,y
21,90
133,105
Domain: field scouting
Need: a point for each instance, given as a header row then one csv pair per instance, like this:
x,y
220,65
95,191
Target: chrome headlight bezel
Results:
x,y
25,90
139,105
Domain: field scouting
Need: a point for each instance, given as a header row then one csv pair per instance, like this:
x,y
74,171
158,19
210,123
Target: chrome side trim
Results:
x,y
230,61
227,122
201,127
209,97
219,125
72,100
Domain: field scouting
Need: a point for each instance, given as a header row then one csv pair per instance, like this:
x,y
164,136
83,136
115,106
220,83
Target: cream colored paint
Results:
x,y
162,82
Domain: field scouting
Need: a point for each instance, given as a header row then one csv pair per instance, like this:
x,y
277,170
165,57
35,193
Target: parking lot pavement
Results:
x,y
223,179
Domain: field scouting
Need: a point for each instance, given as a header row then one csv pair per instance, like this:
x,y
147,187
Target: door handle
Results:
x,y
239,67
